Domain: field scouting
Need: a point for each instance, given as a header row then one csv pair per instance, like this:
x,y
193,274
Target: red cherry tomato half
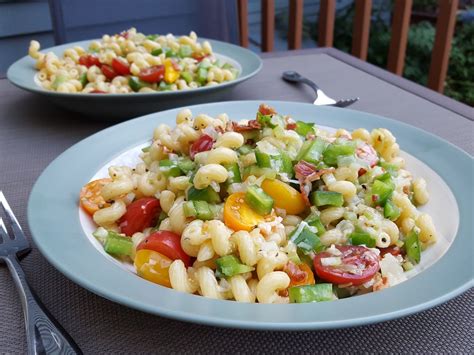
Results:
x,y
89,60
140,214
203,144
166,243
358,265
93,60
368,154
120,66
83,60
152,74
108,71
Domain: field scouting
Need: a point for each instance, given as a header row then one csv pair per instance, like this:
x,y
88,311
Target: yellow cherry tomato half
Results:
x,y
284,196
153,266
238,215
171,74
300,274
90,198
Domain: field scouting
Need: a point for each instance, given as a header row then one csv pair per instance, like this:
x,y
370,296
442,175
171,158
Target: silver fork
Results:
x,y
321,98
44,334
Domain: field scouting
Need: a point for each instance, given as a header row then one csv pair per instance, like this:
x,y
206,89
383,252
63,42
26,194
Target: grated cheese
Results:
x,y
331,261
333,250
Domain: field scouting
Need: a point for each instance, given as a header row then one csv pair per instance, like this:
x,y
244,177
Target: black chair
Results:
x,y
75,20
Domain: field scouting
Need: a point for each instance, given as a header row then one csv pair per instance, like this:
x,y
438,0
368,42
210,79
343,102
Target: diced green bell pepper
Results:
x,y
264,160
258,200
412,247
205,64
230,265
136,84
345,160
202,76
257,171
381,191
202,210
280,163
186,165
311,293
276,121
312,151
303,128
305,240
391,211
199,209
169,53
390,168
314,221
335,150
185,51
157,52
83,79
234,173
169,168
187,76
327,198
286,164
263,119
208,194
152,37
163,86
359,238
189,209
384,177
245,149
118,245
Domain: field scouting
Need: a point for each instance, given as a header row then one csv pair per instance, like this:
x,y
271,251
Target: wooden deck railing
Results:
x,y
360,40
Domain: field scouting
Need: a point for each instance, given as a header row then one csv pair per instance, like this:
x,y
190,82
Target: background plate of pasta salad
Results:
x,y
261,215
130,73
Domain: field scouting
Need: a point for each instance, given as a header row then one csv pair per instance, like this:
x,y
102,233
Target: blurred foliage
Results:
x,y
425,5
460,78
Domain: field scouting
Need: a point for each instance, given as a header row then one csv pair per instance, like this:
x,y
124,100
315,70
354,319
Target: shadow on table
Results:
x,y
33,111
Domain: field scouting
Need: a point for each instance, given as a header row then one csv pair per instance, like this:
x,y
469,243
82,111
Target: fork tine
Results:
x,y
17,231
3,231
345,103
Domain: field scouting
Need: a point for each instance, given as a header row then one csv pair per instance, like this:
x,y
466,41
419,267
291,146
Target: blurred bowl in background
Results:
x,y
118,107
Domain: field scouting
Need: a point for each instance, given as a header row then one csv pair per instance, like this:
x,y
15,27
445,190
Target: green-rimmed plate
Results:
x,y
116,107
61,231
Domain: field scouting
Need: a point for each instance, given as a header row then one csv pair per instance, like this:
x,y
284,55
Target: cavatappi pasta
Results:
x,y
132,62
267,210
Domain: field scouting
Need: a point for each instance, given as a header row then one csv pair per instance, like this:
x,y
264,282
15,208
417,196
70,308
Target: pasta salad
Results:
x,y
132,62
267,210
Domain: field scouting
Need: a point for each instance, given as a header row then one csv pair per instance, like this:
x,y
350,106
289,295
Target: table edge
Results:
x,y
430,95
